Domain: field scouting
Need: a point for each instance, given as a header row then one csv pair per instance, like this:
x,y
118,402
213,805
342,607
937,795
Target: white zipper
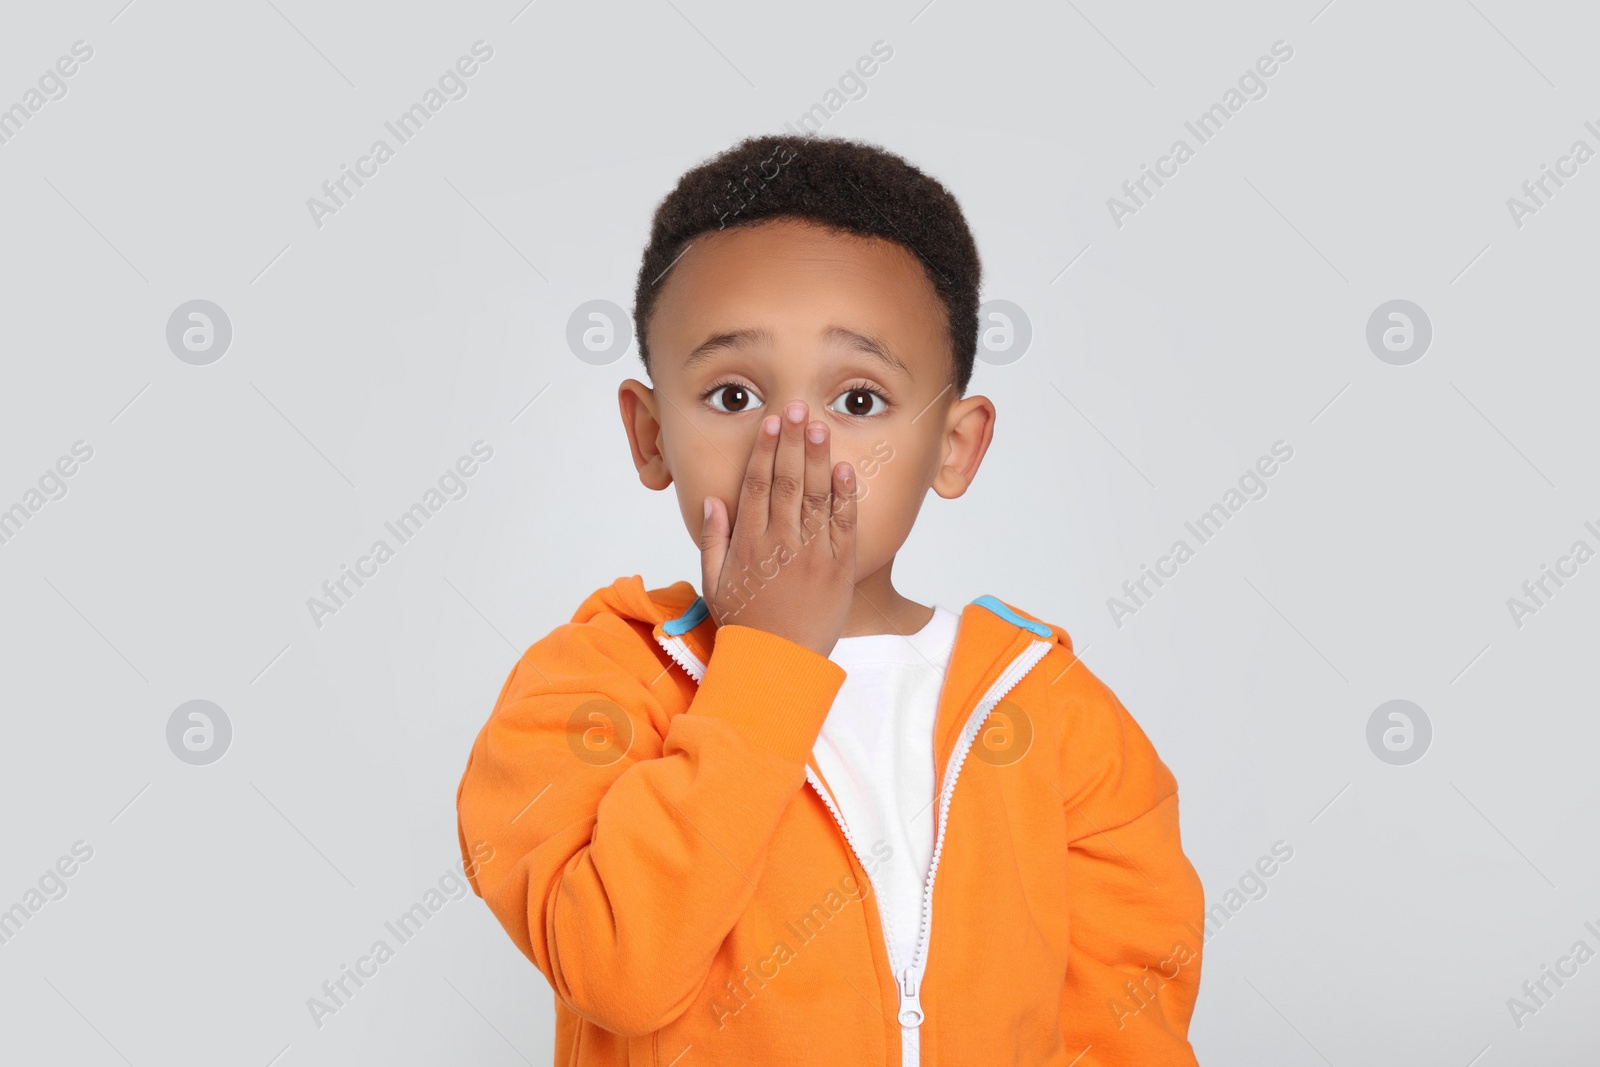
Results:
x,y
678,649
838,817
908,980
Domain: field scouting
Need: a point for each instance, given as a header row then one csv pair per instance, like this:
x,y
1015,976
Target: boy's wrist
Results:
x,y
775,692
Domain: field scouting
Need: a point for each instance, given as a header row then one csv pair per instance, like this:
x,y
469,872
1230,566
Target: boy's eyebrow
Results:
x,y
723,341
875,347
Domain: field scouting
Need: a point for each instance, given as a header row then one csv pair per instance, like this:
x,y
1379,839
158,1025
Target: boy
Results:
x,y
799,818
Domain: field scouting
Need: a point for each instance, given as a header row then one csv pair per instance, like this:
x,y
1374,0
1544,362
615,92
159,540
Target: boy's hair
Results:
x,y
846,185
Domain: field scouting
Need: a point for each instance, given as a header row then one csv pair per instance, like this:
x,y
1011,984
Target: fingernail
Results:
x,y
770,424
708,507
814,432
796,411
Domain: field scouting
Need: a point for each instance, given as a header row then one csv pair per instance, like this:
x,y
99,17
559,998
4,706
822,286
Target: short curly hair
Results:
x,y
847,185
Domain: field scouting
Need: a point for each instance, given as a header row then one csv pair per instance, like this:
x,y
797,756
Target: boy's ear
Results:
x,y
969,427
641,420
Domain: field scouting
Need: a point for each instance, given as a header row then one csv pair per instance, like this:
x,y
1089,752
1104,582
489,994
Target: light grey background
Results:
x,y
1167,354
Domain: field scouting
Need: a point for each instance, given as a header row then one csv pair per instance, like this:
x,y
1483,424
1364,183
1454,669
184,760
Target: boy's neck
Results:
x,y
878,608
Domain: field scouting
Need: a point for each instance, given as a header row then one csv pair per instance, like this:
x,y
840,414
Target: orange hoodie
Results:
x,y
643,815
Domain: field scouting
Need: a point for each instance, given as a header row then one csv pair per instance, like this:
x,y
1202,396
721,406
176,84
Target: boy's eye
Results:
x,y
736,397
859,402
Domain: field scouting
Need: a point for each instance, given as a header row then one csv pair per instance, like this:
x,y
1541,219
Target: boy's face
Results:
x,y
754,317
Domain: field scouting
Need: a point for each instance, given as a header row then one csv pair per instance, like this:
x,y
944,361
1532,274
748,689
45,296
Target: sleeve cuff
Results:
x,y
775,692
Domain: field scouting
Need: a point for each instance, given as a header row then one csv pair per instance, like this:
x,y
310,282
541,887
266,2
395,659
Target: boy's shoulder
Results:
x,y
606,643
1063,672
1097,735
627,598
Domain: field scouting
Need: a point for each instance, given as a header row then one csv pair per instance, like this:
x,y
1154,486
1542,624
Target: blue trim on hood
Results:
x,y
698,611
688,620
1038,629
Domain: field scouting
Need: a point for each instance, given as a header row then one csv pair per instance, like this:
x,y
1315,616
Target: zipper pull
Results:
x,y
910,1005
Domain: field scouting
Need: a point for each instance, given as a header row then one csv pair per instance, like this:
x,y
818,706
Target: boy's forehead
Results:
x,y
793,275
776,245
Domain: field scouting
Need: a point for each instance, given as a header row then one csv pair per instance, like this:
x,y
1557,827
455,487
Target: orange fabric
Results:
x,y
692,900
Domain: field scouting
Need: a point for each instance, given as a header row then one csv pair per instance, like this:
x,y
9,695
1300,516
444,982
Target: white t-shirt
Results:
x,y
875,752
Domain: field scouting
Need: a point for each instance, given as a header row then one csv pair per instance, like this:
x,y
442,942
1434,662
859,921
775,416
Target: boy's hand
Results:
x,y
789,565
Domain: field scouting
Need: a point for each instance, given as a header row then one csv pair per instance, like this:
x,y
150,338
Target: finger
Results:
x,y
755,493
843,524
713,547
818,494
789,469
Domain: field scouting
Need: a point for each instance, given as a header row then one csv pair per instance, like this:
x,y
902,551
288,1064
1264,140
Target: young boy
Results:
x,y
798,817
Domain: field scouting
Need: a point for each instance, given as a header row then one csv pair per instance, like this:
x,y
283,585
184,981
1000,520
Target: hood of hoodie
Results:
x,y
679,603
991,636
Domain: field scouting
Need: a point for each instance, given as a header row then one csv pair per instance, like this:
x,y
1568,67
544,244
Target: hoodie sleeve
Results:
x,y
617,845
1137,905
